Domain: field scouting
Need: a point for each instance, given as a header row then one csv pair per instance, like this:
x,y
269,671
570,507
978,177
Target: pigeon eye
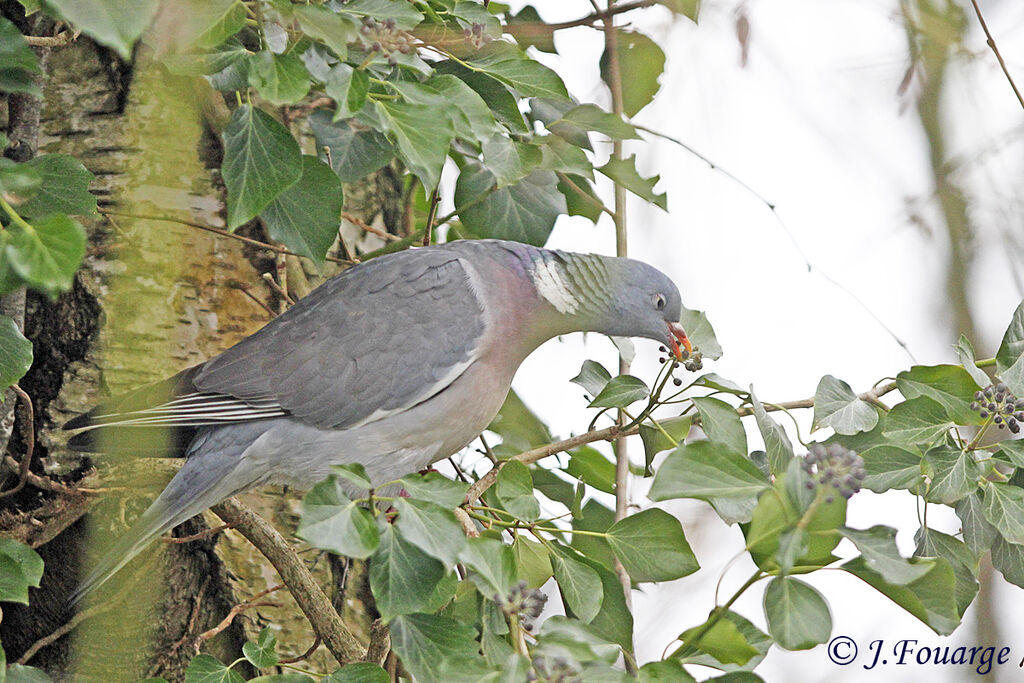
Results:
x,y
659,302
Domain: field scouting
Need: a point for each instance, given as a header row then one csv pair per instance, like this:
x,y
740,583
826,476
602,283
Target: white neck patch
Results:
x,y
550,286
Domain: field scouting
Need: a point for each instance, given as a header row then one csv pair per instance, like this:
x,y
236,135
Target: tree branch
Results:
x,y
324,619
992,44
609,433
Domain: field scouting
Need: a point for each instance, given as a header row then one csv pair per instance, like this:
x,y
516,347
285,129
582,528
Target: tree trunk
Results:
x,y
152,298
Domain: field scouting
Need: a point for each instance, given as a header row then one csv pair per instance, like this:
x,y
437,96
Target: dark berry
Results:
x,y
1001,387
983,413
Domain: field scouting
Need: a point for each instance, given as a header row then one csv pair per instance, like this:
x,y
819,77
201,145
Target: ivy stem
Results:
x,y
15,217
985,362
720,612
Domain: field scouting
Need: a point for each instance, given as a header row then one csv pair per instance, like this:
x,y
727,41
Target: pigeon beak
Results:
x,y
679,339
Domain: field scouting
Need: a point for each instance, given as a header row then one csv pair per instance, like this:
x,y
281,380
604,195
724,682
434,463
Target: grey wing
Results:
x,y
375,340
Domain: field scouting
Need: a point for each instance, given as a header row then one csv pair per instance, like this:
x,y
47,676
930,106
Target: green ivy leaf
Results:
x,y
592,117
524,212
652,547
331,521
20,568
776,442
306,216
665,671
561,156
702,335
754,637
514,489
493,565
510,161
499,100
261,160
965,352
592,376
836,406
18,62
354,153
422,137
320,23
919,420
1008,558
950,385
1012,346
402,577
595,517
721,639
590,466
954,474
348,87
280,79
359,672
623,172
64,188
431,527
209,669
641,63
798,615
891,467
406,16
1003,507
114,23
932,543
425,642
721,423
262,653
48,253
532,561
656,441
435,488
707,469
620,392
529,30
479,122
978,533
15,353
931,598
212,23
353,473
688,8
528,77
580,197
579,583
877,546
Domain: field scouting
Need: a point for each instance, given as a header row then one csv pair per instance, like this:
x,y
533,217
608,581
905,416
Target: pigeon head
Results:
x,y
619,297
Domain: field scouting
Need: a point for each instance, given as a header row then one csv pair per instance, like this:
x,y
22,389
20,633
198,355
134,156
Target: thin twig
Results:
x,y
29,434
609,433
269,278
992,44
46,484
245,290
785,228
216,231
59,633
201,535
305,655
592,19
60,40
363,225
322,616
428,231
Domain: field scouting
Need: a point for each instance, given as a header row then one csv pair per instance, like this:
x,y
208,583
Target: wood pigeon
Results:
x,y
395,363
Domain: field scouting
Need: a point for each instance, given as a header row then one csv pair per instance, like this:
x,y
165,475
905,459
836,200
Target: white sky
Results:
x,y
813,123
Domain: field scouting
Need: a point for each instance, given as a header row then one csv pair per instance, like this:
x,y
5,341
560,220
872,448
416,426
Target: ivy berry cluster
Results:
x,y
554,670
476,36
999,402
835,466
386,37
522,602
